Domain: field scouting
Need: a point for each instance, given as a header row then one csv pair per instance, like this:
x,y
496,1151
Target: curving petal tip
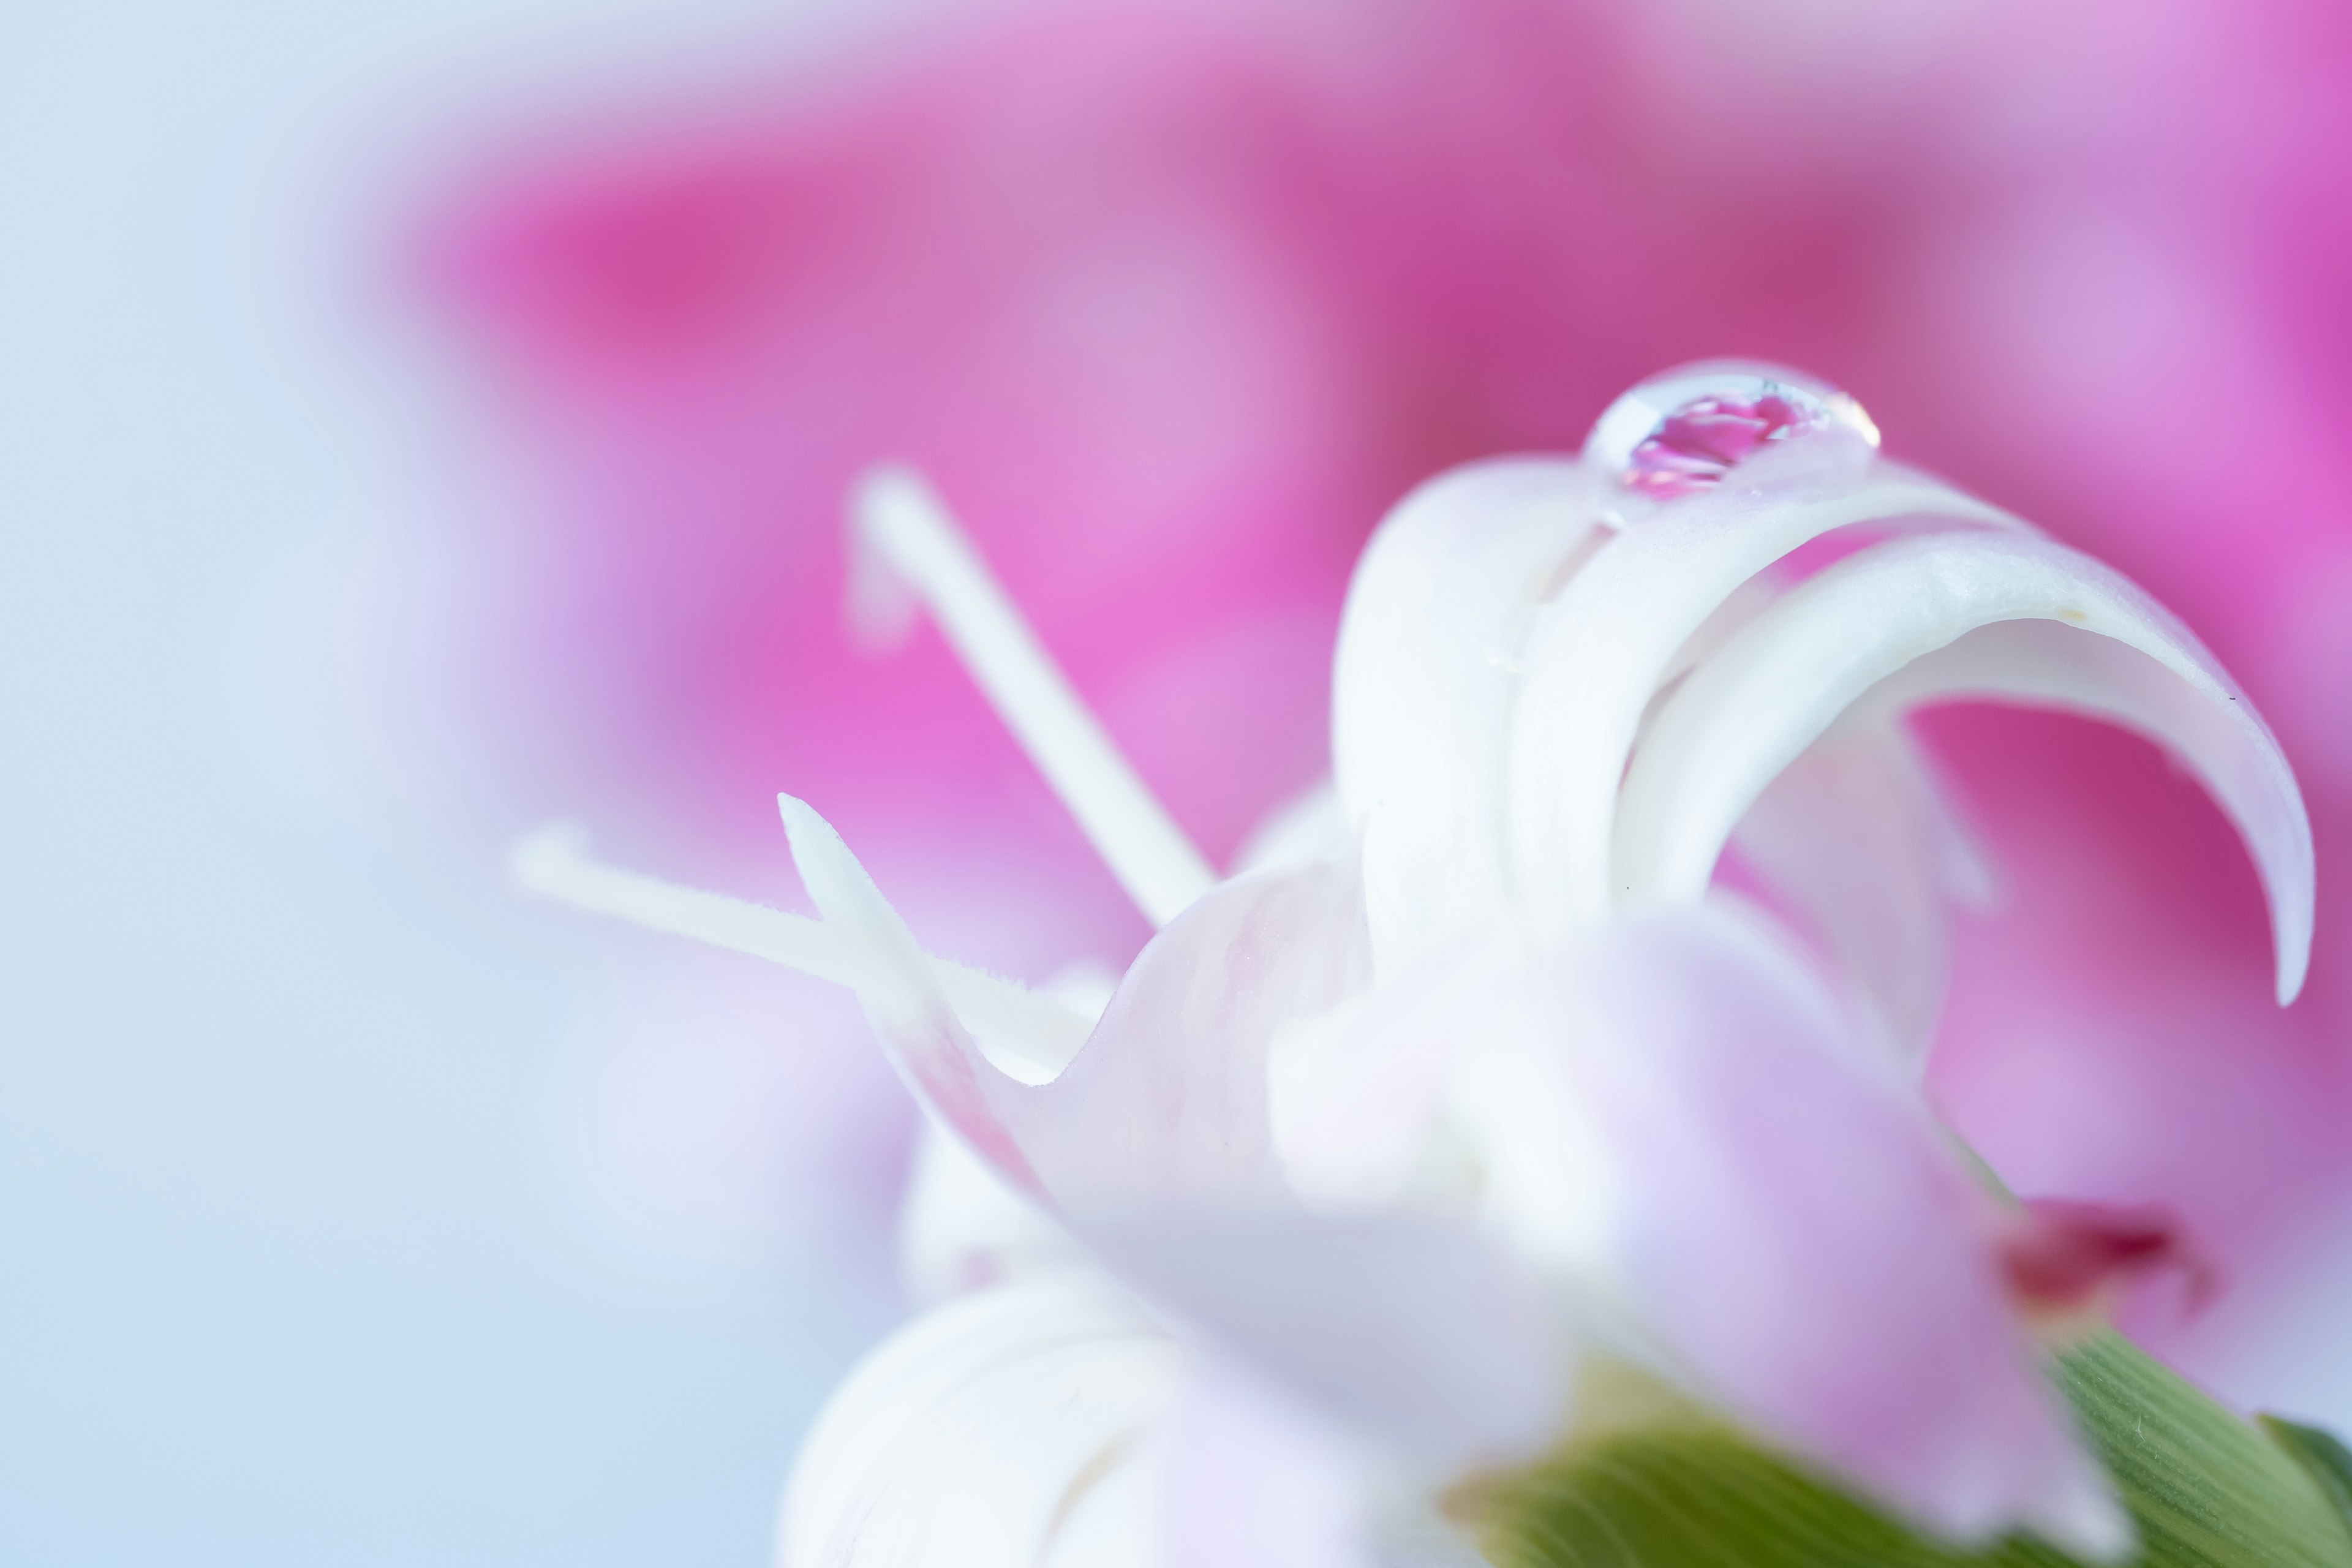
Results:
x,y
1999,615
904,1003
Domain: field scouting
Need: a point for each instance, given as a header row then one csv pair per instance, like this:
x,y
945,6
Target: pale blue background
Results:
x,y
289,1272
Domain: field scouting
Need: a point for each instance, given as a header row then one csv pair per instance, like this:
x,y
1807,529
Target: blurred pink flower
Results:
x,y
1175,300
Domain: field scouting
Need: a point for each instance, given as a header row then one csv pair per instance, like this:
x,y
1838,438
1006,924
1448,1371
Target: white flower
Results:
x,y
1476,1090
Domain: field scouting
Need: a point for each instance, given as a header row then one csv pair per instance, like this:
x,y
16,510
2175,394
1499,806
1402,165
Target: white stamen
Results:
x,y
896,515
554,862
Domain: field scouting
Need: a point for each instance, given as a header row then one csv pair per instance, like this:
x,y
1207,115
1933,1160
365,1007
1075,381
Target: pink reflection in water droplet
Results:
x,y
1705,438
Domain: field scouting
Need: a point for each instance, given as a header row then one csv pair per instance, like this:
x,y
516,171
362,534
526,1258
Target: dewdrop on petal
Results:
x,y
1681,432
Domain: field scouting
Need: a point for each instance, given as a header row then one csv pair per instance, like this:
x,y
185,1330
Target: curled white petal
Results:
x,y
2106,648
2049,664
1602,646
1421,689
983,1433
898,518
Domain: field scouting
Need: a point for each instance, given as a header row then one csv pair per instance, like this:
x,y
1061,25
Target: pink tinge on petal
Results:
x,y
1793,1229
2061,1258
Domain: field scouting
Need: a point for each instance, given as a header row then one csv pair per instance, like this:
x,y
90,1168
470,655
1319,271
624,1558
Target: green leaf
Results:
x,y
2320,1453
1675,1487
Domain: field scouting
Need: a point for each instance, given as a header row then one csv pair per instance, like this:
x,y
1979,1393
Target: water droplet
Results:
x,y
1684,430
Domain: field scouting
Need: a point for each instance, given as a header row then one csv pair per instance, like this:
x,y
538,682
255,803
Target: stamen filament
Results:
x,y
899,517
554,863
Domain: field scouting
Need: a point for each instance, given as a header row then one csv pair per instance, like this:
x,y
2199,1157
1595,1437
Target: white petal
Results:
x,y
976,1435
2053,664
1855,839
1599,649
1169,1093
1414,1329
1423,688
1118,1520
904,1006
1354,1094
2108,650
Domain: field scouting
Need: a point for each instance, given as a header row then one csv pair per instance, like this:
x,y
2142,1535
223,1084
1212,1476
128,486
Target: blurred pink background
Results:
x,y
1171,301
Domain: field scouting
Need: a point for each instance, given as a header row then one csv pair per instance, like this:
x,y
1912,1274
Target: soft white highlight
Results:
x,y
898,518
1428,651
